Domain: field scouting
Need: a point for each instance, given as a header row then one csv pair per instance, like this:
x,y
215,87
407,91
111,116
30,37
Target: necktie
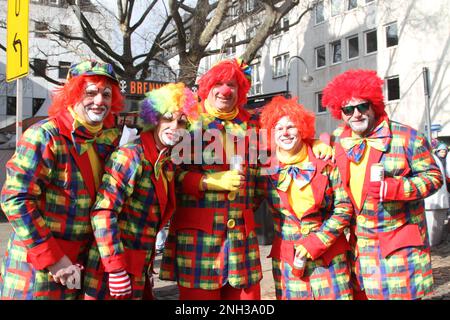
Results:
x,y
300,174
378,139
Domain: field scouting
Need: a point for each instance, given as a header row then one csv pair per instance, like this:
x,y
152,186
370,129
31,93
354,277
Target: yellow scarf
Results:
x,y
219,114
299,199
93,157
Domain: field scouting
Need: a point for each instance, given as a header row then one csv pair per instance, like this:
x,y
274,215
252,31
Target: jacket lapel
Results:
x,y
151,154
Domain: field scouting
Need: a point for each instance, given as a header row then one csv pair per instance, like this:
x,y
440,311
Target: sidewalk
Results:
x,y
167,290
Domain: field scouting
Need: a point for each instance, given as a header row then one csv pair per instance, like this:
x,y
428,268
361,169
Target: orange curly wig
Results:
x,y
225,70
362,84
279,107
73,91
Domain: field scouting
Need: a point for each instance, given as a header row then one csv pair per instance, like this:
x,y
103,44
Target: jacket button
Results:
x,y
361,219
231,223
305,231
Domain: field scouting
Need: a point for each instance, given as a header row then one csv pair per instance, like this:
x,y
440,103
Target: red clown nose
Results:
x,y
224,90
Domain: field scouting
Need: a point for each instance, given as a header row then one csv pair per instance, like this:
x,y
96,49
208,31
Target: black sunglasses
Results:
x,y
362,108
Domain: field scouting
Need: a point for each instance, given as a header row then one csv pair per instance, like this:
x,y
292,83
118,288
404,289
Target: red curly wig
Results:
x,y
279,107
225,70
362,84
73,91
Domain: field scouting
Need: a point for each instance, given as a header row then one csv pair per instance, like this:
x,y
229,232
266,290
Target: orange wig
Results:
x,y
279,107
361,84
73,91
226,70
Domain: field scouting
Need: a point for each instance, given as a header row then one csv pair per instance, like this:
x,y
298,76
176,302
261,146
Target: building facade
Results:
x,y
398,39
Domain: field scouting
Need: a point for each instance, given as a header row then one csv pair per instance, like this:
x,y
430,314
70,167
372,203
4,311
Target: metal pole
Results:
x,y
426,88
289,68
19,107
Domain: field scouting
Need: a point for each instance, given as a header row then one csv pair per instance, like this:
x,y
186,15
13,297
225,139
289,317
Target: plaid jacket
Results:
x,y
212,239
132,206
391,254
47,197
319,230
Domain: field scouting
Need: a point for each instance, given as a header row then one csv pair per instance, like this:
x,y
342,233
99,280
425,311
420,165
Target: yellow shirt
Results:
x,y
357,175
300,199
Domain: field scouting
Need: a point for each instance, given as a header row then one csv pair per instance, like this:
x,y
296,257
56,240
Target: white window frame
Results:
x,y
333,45
348,47
318,103
365,41
335,4
233,10
284,58
230,51
348,5
256,87
316,56
249,5
53,2
387,79
283,26
386,33
323,13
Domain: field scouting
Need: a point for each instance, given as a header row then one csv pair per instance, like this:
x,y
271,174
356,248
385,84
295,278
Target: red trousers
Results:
x,y
227,292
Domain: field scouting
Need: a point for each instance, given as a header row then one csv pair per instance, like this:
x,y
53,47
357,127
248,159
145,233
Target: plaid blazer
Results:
x,y
391,254
132,206
212,239
47,197
319,230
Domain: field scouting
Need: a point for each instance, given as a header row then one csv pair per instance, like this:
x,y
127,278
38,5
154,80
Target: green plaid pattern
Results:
x,y
406,272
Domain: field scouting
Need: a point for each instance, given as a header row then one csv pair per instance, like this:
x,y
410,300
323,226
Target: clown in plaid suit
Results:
x,y
137,198
51,184
391,253
310,220
212,249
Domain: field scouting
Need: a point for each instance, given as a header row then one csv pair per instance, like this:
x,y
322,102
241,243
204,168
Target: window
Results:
x,y
352,4
353,47
233,10
369,1
393,88
63,69
336,51
251,31
319,12
320,107
249,5
320,57
53,2
371,41
391,35
65,29
256,80
37,104
280,63
36,1
39,67
336,7
11,106
40,28
230,50
283,26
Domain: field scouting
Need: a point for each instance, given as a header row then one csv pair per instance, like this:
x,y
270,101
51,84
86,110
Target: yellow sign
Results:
x,y
17,40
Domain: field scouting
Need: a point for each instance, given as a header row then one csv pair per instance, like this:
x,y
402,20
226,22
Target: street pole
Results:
x,y
19,108
307,79
426,88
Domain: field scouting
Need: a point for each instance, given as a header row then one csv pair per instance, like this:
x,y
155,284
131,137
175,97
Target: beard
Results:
x,y
359,127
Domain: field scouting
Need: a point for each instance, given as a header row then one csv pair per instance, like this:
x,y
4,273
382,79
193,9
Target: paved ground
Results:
x,y
166,290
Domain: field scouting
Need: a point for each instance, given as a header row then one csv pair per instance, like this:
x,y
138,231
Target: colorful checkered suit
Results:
x,y
47,198
391,254
132,206
319,230
212,239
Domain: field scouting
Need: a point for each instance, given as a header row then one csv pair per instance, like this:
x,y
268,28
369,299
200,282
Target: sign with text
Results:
x,y
138,87
17,40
